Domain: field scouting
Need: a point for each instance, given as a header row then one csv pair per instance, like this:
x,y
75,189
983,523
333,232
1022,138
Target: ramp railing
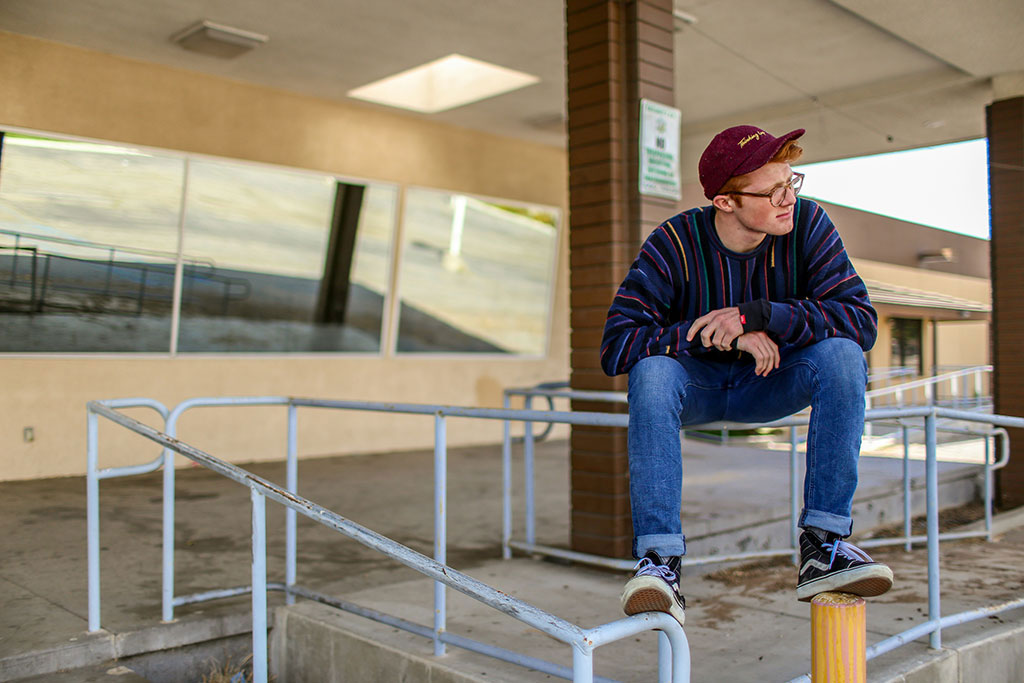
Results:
x,y
674,654
966,386
903,417
931,415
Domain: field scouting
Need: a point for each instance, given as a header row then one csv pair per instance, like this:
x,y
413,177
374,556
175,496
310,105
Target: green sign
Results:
x,y
659,150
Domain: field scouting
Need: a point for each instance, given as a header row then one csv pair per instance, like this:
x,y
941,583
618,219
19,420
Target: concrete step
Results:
x,y
108,672
752,630
102,647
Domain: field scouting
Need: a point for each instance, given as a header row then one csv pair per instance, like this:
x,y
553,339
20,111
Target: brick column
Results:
x,y
618,51
1005,125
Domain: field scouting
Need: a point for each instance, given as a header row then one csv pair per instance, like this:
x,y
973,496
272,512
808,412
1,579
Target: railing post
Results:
x,y
110,272
932,495
907,508
988,489
167,592
582,665
867,423
92,508
838,638
794,496
14,258
259,586
290,568
440,526
664,659
531,525
506,483
41,301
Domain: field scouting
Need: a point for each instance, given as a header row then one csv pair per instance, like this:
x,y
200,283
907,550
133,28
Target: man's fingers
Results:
x,y
765,362
705,336
695,328
700,326
766,352
720,339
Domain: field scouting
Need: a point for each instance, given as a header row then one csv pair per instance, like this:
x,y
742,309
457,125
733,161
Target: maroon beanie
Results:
x,y
735,151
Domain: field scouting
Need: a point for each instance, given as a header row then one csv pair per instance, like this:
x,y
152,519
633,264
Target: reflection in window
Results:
x,y
272,259
905,350
88,242
300,261
475,276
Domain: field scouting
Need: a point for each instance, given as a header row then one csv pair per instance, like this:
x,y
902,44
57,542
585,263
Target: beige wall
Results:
x,y
959,342
964,342
54,88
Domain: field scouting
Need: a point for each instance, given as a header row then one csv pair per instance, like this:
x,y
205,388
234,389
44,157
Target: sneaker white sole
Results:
x,y
650,594
867,582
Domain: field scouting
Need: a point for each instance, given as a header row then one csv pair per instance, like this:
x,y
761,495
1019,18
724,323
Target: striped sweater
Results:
x,y
803,282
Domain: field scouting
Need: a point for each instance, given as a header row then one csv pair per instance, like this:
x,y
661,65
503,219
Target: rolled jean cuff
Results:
x,y
666,545
837,524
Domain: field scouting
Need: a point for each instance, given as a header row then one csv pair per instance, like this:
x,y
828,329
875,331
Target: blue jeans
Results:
x,y
666,394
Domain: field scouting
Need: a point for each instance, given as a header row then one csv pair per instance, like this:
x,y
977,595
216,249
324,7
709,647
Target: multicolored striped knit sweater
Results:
x,y
802,282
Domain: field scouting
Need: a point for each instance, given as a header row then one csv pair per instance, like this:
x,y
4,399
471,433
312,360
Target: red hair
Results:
x,y
787,154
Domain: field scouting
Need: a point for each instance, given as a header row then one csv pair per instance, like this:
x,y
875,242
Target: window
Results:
x,y
88,242
267,282
905,335
475,276
272,260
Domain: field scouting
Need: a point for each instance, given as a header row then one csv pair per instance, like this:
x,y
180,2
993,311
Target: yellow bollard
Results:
x,y
838,638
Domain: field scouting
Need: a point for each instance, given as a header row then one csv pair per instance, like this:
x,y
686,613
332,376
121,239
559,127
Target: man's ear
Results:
x,y
723,203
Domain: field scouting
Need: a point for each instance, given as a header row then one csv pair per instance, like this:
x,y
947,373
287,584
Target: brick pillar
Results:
x,y
1005,125
618,51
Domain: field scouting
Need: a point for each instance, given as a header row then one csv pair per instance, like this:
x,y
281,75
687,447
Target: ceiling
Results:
x,y
863,76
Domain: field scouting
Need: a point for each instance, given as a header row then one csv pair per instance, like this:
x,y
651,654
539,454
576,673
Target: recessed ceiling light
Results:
x,y
217,40
443,84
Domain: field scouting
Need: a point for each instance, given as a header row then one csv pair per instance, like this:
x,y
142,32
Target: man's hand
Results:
x,y
762,348
717,328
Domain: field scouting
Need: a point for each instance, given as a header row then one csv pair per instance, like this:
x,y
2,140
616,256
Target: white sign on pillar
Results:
x,y
659,150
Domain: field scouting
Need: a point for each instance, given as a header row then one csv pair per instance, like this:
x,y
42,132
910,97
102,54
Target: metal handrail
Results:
x,y
582,653
110,248
550,391
931,415
674,658
925,381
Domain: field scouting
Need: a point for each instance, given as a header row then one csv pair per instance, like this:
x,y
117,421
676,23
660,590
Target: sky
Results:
x,y
943,187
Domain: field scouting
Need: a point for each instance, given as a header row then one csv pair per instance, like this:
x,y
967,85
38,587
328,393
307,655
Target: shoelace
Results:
x,y
847,550
645,567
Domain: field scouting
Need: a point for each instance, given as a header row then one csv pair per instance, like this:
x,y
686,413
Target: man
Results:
x,y
746,310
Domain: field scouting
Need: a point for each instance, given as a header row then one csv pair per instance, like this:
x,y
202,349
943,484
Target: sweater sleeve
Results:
x,y
836,303
644,316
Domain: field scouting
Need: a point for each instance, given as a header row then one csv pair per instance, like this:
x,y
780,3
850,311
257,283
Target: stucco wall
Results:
x,y
59,89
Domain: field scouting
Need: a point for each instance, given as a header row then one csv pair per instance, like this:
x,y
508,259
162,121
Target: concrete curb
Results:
x,y
1001,523
997,658
314,643
104,646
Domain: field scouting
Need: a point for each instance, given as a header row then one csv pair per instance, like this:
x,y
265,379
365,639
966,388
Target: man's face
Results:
x,y
757,213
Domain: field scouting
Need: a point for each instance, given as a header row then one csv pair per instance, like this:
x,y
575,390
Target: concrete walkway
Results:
x,y
742,624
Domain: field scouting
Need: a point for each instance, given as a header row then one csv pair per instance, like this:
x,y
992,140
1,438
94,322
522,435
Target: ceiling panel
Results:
x,y
854,72
983,37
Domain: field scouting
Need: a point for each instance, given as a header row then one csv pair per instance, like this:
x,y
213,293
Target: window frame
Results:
x,y
392,300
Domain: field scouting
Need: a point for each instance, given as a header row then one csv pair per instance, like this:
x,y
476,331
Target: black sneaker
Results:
x,y
835,565
655,587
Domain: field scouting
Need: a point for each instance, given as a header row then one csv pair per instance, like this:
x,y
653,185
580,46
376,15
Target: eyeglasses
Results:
x,y
778,194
